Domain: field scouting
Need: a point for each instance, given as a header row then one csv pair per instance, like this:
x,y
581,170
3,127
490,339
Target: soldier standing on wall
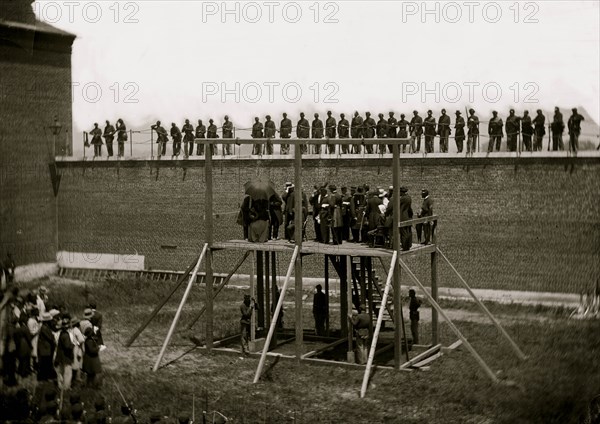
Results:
x,y
429,124
495,132
212,133
109,136
527,130
344,133
473,132
444,131
403,130
270,131
330,127
257,132
97,140
317,132
369,126
303,130
382,131
513,128
459,131
176,135
285,131
574,125
188,138
392,129
356,131
558,128
227,133
200,135
416,131
539,123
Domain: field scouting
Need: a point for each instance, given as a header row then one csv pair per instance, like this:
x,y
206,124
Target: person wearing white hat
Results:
x,y
41,299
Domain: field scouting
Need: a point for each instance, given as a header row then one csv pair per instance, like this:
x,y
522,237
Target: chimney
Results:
x,y
19,11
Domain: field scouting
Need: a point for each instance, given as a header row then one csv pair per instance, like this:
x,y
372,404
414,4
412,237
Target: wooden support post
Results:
x,y
263,356
208,225
260,288
512,343
348,277
456,331
386,292
369,293
434,294
363,280
327,295
344,283
161,304
395,270
219,288
180,308
267,306
275,291
298,221
252,291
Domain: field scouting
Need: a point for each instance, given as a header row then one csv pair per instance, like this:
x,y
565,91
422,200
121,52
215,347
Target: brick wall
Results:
x,y
35,77
505,223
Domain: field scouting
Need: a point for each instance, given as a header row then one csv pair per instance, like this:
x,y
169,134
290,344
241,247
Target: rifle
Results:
x,y
131,414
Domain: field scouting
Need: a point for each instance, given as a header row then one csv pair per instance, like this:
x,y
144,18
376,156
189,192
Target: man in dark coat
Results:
x,y
109,137
257,132
357,214
344,133
361,323
325,217
188,138
413,308
392,129
64,356
369,126
382,131
46,347
459,131
539,129
96,320
162,138
429,124
176,136
444,131
244,215
211,132
513,128
426,210
285,131
337,222
303,131
527,130
121,136
270,131
356,131
574,126
416,131
372,210
320,310
403,131
473,131
276,216
91,359
227,133
96,134
199,139
406,214
317,132
330,132
558,128
346,215
495,132
246,310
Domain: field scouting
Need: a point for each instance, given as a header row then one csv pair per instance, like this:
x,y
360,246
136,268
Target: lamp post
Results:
x,y
56,128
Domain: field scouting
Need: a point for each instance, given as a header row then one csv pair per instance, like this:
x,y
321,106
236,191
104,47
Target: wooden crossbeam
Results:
x,y
428,360
323,349
417,221
421,356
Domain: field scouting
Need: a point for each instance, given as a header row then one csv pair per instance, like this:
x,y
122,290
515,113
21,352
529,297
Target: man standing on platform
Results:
x,y
270,131
459,131
344,133
527,130
361,321
539,123
574,125
356,131
317,132
513,128
161,132
429,124
285,131
444,131
324,217
188,138
473,132
227,133
558,128
176,135
403,130
246,309
303,130
96,134
320,310
109,137
413,307
346,202
257,132
369,126
392,129
200,136
495,132
212,133
330,129
382,132
416,131
426,210
337,223
406,214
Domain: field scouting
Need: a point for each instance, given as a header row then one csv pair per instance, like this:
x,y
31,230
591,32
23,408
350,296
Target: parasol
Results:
x,y
259,189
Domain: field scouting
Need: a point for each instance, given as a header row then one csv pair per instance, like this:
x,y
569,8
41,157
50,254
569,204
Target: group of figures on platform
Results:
x,y
530,130
358,215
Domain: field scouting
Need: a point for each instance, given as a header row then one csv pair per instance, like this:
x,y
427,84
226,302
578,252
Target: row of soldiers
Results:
x,y
531,129
109,136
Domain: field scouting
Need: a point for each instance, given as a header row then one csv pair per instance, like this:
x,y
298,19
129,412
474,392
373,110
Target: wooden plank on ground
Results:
x,y
421,356
428,360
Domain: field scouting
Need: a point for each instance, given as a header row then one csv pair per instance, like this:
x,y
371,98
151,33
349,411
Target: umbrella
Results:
x,y
259,189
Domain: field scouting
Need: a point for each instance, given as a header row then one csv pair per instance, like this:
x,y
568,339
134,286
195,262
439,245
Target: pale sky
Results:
x,y
374,55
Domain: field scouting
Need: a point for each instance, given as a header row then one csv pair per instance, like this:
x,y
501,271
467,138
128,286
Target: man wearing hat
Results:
x,y
199,137
46,348
109,137
270,131
444,131
346,216
473,131
330,131
416,131
403,130
317,132
78,341
539,130
382,132
429,124
392,129
426,210
162,138
303,131
495,132
285,131
227,133
246,310
337,222
96,134
558,128
527,130
211,132
513,129
41,299
459,131
369,126
64,355
574,126
188,138
357,214
344,133
356,131
325,218
257,132
176,136
361,323
406,214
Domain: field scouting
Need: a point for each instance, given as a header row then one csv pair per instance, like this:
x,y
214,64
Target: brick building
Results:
x,y
35,88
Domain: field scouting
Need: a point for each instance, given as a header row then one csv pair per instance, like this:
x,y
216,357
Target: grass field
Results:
x,y
555,384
